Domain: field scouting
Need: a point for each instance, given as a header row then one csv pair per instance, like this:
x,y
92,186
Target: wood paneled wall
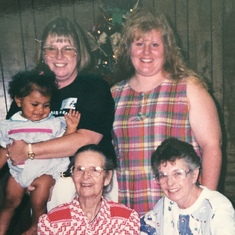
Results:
x,y
205,29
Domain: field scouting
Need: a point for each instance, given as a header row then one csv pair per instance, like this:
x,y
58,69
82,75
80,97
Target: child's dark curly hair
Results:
x,y
41,79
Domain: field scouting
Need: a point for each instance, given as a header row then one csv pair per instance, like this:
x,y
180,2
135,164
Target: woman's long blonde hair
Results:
x,y
138,23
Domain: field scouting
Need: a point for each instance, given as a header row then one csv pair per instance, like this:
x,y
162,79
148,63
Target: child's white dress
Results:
x,y
20,128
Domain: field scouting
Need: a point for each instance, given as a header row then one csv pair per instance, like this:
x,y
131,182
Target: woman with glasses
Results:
x,y
187,207
65,49
89,212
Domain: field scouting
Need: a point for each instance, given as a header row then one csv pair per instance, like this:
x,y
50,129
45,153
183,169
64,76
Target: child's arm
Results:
x,y
72,120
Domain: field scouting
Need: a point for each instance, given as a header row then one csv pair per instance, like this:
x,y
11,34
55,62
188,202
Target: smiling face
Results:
x,y
87,185
34,106
65,68
180,190
147,54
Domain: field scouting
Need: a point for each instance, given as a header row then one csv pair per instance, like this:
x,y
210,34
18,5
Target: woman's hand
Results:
x,y
18,151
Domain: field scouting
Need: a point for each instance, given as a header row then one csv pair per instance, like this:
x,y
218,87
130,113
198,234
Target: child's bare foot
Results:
x,y
31,231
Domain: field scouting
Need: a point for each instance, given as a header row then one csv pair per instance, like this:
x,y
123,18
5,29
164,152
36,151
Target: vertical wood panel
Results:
x,y
181,26
67,8
217,50
229,93
199,20
148,4
44,12
84,14
96,10
168,8
217,73
11,46
28,32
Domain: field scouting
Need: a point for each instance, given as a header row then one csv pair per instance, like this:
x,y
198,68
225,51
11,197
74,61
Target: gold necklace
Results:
x,y
92,221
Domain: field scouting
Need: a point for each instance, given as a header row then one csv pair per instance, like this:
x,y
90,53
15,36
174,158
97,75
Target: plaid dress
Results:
x,y
142,121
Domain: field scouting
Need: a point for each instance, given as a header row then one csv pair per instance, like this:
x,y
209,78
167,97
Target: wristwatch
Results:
x,y
31,154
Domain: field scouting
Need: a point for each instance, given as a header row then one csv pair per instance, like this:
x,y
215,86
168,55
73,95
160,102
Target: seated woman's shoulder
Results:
x,y
120,210
59,213
217,199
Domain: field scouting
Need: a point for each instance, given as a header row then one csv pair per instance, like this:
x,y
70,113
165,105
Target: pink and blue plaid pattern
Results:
x,y
142,122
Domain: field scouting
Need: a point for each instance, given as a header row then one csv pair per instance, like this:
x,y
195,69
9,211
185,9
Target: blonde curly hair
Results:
x,y
140,22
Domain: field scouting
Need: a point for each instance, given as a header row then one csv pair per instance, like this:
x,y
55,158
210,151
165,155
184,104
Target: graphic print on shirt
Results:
x,y
69,103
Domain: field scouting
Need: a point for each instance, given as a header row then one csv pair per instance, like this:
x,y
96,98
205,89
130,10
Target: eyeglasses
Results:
x,y
78,171
177,175
67,51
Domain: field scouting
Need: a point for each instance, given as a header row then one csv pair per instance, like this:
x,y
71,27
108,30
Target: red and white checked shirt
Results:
x,y
69,219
